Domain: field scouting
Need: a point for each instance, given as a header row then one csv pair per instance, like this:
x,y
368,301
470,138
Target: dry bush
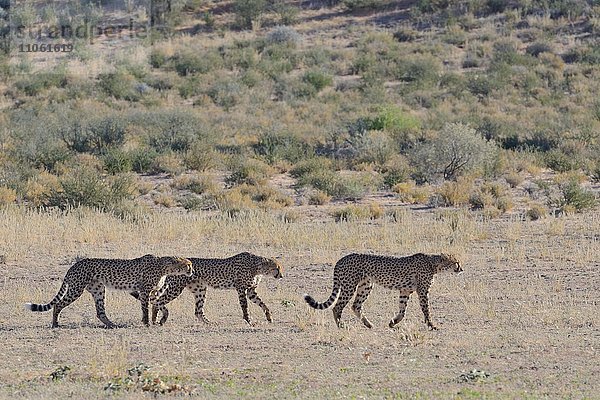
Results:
x,y
171,163
410,192
199,184
145,187
514,179
165,200
536,211
201,157
491,196
453,193
318,198
7,196
358,212
39,188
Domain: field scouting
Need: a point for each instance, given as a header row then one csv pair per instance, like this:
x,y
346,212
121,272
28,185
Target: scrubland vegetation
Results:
x,y
309,130
446,98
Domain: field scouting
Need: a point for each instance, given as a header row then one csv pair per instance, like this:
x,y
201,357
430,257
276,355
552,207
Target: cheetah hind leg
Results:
x,y
403,300
346,294
362,293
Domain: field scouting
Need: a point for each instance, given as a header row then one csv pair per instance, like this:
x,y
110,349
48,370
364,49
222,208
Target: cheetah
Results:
x,y
241,272
144,274
357,273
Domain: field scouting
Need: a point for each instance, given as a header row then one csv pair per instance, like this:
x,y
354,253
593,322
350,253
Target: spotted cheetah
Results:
x,y
242,272
357,273
144,274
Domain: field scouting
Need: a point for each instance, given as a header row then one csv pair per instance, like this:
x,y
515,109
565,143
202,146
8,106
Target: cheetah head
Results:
x,y
177,266
271,267
449,262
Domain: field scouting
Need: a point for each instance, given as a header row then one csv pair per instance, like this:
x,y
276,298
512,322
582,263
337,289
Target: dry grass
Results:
x,y
525,311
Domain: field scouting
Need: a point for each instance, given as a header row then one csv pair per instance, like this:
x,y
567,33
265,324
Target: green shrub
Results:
x,y
225,93
34,84
361,4
158,58
96,136
176,130
288,89
191,202
249,171
189,61
419,70
324,180
143,160
248,11
310,166
284,35
496,6
429,6
559,161
537,48
573,196
201,156
404,128
117,161
457,149
371,146
349,187
274,147
288,13
85,187
318,79
120,85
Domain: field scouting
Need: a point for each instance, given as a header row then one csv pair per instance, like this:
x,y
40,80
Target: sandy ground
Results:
x,y
521,322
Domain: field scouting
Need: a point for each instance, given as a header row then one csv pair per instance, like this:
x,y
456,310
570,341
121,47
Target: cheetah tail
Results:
x,y
45,307
328,303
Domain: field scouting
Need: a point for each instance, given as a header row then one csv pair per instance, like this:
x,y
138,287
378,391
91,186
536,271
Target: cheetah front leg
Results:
x,y
423,300
144,296
253,296
199,291
244,303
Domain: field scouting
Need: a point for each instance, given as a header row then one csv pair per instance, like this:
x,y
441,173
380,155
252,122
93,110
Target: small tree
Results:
x,y
248,11
456,150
